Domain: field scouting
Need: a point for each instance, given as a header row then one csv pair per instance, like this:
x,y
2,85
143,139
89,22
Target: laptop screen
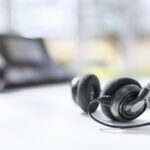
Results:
x,y
24,51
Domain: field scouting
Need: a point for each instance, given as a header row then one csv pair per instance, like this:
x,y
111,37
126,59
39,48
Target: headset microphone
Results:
x,y
121,100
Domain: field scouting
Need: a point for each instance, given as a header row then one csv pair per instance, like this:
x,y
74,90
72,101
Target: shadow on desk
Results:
x,y
138,131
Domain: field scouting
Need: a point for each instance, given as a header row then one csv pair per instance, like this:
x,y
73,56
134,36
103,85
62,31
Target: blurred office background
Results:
x,y
106,37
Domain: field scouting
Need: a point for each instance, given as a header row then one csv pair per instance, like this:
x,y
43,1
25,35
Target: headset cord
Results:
x,y
110,125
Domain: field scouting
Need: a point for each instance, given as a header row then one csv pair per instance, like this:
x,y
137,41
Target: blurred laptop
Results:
x,y
26,62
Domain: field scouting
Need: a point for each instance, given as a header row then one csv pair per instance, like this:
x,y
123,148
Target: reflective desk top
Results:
x,y
45,118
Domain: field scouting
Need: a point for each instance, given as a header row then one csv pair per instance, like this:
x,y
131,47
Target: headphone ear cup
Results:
x,y
88,90
111,88
74,87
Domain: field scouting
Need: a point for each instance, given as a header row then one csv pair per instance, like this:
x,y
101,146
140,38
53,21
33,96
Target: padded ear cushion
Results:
x,y
74,87
88,90
111,88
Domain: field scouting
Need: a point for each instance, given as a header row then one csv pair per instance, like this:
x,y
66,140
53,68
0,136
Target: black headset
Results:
x,y
121,100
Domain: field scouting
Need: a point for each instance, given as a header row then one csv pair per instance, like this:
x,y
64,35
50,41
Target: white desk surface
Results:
x,y
45,118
